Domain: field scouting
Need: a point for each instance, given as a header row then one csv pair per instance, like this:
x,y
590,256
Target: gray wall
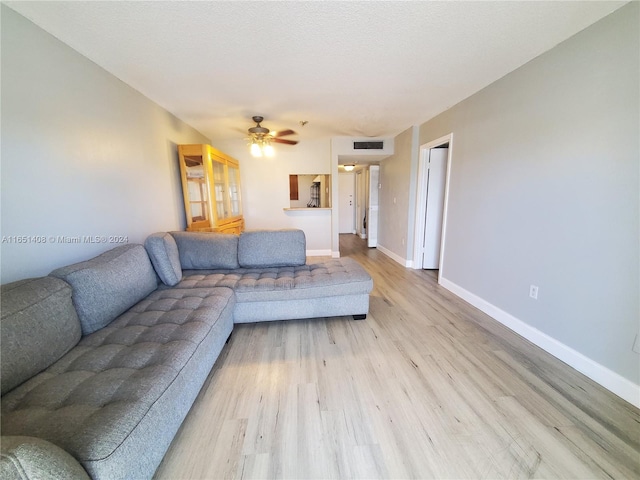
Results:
x,y
82,154
397,197
544,190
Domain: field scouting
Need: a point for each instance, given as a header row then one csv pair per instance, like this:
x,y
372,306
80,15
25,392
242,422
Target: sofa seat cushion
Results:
x,y
93,398
336,277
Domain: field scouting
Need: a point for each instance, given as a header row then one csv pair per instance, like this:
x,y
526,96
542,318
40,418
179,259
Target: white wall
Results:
x,y
265,188
82,154
545,190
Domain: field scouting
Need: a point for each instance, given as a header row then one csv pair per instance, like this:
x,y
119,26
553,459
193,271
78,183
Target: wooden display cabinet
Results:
x,y
211,190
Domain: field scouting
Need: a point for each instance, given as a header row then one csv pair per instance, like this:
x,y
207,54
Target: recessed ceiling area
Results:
x,y
361,69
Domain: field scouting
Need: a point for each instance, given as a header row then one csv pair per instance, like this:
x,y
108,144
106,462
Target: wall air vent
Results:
x,y
368,145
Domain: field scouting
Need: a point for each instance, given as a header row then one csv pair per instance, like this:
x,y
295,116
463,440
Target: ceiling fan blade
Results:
x,y
282,140
284,132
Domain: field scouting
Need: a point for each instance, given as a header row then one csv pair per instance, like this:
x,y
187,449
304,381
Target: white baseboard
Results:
x,y
600,374
402,261
335,254
319,253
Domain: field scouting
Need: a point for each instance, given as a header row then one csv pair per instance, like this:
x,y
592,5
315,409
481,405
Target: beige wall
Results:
x,y
82,154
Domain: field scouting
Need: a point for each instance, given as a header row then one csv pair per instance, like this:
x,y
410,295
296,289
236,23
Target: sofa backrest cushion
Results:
x,y
109,284
207,251
272,248
38,325
163,252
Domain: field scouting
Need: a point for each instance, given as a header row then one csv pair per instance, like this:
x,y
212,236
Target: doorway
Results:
x,y
434,169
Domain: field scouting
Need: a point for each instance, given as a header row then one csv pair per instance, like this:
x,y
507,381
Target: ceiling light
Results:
x,y
256,151
261,146
349,168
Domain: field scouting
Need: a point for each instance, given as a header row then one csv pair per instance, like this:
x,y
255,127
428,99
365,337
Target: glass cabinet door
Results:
x,y
197,189
219,190
234,191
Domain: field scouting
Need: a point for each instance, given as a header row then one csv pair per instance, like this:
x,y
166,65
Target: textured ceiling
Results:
x,y
348,68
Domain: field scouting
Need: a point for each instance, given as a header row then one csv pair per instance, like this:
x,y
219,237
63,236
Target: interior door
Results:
x,y
346,190
435,206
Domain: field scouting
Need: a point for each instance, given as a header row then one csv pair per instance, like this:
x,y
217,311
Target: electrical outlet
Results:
x,y
533,292
636,344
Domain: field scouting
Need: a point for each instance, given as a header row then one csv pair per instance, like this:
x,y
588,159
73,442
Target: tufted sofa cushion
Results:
x,y
336,277
92,400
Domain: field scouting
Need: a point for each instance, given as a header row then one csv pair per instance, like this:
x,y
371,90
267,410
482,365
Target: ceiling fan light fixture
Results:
x,y
260,139
256,151
261,147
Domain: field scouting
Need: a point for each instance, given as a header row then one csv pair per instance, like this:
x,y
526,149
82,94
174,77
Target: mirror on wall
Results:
x,y
310,191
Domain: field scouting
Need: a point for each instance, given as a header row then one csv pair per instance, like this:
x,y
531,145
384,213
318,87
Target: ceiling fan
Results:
x,y
260,138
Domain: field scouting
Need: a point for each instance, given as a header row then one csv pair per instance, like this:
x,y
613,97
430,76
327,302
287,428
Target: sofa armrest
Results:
x,y
25,458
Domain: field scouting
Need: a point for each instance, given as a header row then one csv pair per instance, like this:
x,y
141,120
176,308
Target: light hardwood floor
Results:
x,y
426,387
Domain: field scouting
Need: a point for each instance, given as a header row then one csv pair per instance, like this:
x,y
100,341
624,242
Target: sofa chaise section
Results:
x,y
267,271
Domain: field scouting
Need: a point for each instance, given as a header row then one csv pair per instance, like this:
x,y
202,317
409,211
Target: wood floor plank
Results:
x,y
426,387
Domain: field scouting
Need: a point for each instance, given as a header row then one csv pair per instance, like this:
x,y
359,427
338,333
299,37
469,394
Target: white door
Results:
x,y
372,209
435,204
360,194
346,221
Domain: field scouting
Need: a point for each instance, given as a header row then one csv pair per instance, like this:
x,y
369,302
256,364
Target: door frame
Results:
x,y
421,202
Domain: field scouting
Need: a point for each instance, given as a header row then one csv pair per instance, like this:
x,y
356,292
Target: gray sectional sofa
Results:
x,y
102,360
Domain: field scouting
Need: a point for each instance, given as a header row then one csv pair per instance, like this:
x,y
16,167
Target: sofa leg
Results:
x,y
228,338
360,317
